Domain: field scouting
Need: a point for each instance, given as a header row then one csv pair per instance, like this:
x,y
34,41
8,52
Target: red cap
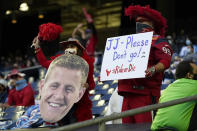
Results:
x,y
158,20
15,72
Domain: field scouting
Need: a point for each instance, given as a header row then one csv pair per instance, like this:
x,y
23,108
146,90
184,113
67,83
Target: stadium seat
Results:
x,y
115,85
92,92
105,86
31,79
13,113
98,87
95,79
110,91
101,103
95,97
94,103
104,111
2,109
163,86
106,97
98,110
115,82
102,92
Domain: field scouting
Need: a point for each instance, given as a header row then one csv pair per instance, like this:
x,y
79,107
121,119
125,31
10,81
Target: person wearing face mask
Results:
x,y
63,86
183,116
72,46
145,91
187,49
22,93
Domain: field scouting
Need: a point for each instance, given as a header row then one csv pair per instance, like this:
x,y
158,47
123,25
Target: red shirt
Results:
x,y
90,47
24,97
160,52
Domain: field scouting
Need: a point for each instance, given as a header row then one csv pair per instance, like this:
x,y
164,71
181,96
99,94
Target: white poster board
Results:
x,y
126,56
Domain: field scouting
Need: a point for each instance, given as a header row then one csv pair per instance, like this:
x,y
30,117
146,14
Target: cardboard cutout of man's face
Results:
x,y
59,92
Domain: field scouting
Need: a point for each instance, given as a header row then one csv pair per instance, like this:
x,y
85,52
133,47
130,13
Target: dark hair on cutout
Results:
x,y
183,68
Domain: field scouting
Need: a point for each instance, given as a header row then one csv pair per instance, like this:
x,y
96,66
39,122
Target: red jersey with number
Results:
x,y
160,52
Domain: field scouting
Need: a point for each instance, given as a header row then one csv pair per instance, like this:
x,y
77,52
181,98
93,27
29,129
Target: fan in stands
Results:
x,y
50,37
145,91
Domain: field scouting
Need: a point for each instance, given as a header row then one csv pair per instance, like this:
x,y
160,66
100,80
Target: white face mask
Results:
x,y
188,42
71,50
170,42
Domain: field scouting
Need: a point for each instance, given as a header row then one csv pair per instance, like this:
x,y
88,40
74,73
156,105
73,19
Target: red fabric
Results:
x,y
90,47
42,59
137,101
84,106
49,31
90,61
24,97
141,97
151,14
83,111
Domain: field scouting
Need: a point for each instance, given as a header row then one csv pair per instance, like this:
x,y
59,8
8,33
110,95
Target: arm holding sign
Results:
x,y
159,67
163,54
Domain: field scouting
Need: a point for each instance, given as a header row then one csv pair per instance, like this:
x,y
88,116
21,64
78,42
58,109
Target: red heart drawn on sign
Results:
x,y
108,72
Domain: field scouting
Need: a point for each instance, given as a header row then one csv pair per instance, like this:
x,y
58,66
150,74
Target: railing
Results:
x,y
24,69
101,120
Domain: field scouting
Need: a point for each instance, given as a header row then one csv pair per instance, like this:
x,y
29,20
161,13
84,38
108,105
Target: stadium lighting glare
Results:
x,y
8,12
41,16
24,7
14,21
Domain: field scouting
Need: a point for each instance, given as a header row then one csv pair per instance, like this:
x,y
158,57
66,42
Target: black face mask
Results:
x,y
143,27
194,76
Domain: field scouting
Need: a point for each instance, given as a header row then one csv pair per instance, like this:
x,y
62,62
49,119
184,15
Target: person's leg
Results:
x,y
125,107
154,101
141,101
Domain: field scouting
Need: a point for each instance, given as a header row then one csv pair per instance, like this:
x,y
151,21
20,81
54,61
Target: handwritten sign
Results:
x,y
126,56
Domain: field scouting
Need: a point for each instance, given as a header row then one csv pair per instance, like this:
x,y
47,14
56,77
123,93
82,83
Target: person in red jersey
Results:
x,y
22,94
88,38
73,46
141,92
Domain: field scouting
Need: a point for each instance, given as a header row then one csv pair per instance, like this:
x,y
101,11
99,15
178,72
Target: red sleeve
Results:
x,y
28,98
10,98
42,59
90,79
90,47
164,54
83,111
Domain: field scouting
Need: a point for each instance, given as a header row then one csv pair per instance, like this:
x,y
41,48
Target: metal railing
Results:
x,y
101,120
23,69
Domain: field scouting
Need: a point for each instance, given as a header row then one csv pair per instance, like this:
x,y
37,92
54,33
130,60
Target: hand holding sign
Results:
x,y
126,56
